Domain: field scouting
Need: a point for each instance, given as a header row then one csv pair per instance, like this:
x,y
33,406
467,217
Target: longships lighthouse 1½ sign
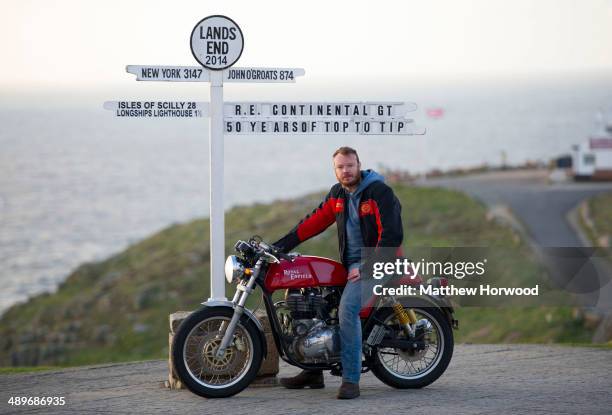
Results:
x,y
217,43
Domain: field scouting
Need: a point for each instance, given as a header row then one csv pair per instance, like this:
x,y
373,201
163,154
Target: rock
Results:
x,y
513,337
27,337
74,326
577,314
592,319
102,333
108,279
603,333
27,355
51,352
176,319
482,332
6,343
173,383
269,366
173,380
104,303
147,297
196,258
548,317
140,328
264,382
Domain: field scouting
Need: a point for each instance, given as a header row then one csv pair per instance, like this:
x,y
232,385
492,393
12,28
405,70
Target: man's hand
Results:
x,y
354,275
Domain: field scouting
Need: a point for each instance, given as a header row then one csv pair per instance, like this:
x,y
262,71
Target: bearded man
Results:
x,y
367,215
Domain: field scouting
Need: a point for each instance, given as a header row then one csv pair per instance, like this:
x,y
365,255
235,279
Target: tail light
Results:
x,y
438,282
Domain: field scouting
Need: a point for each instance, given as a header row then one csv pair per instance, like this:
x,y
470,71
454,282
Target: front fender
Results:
x,y
246,316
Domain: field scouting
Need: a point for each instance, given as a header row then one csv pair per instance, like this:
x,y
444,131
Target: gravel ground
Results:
x,y
481,379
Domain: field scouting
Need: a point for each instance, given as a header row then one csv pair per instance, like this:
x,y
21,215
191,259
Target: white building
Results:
x,y
592,160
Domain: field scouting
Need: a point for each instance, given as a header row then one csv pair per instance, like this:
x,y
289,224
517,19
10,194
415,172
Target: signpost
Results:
x,y
197,74
158,109
217,43
319,118
319,109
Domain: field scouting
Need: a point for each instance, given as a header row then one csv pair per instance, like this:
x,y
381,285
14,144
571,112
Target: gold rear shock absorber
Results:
x,y
405,316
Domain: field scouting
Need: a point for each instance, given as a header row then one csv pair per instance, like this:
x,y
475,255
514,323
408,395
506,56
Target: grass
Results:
x,y
600,209
117,309
520,325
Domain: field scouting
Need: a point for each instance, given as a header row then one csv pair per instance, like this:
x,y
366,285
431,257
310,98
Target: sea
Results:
x,y
78,184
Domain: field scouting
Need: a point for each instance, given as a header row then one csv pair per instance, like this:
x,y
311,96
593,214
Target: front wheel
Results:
x,y
406,368
194,350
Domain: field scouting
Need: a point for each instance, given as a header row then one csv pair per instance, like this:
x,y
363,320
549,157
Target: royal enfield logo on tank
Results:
x,y
296,274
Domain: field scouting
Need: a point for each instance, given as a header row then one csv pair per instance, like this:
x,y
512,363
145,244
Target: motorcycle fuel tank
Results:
x,y
305,271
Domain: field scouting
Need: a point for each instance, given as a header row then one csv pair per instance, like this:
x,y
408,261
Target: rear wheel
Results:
x,y
194,350
407,368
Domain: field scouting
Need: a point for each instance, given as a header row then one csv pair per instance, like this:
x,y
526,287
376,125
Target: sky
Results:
x,y
72,45
61,55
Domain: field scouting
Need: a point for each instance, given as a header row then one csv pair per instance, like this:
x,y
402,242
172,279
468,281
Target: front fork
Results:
x,y
227,330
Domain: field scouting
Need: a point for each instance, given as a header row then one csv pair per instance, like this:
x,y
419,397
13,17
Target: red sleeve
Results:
x,y
311,225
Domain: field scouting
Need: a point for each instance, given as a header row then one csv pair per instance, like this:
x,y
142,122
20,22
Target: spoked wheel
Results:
x,y
194,350
406,368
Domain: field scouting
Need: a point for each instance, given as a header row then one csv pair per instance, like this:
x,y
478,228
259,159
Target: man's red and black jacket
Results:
x,y
379,219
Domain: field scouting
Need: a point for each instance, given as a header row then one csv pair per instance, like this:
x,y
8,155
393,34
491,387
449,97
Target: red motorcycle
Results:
x,y
218,349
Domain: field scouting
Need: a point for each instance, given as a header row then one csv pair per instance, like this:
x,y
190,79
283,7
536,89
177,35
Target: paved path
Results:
x,y
481,379
542,209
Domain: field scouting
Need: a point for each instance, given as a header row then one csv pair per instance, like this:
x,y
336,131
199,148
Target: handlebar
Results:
x,y
275,251
285,256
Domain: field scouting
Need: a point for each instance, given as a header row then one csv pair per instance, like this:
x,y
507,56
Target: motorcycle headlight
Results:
x,y
233,269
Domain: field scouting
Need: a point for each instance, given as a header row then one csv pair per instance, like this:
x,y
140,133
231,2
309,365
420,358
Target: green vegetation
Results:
x,y
521,325
117,310
600,211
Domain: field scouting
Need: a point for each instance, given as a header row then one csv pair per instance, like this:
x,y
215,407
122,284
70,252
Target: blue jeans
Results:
x,y
350,332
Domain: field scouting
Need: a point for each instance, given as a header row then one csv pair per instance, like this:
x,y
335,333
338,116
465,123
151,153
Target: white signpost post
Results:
x,y
217,43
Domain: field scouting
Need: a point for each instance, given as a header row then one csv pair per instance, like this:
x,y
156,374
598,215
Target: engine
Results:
x,y
310,324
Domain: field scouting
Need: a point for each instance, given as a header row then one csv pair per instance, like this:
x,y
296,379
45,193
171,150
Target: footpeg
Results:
x,y
376,335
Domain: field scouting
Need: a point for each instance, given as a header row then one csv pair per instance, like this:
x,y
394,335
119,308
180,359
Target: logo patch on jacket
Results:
x,y
339,205
365,209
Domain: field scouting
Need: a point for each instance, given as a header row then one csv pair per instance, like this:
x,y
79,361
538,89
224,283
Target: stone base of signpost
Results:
x,y
269,368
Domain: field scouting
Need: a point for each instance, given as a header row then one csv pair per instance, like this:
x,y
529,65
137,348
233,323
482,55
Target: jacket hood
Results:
x,y
367,178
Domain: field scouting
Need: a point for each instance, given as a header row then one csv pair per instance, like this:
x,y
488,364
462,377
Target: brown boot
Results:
x,y
312,379
348,390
